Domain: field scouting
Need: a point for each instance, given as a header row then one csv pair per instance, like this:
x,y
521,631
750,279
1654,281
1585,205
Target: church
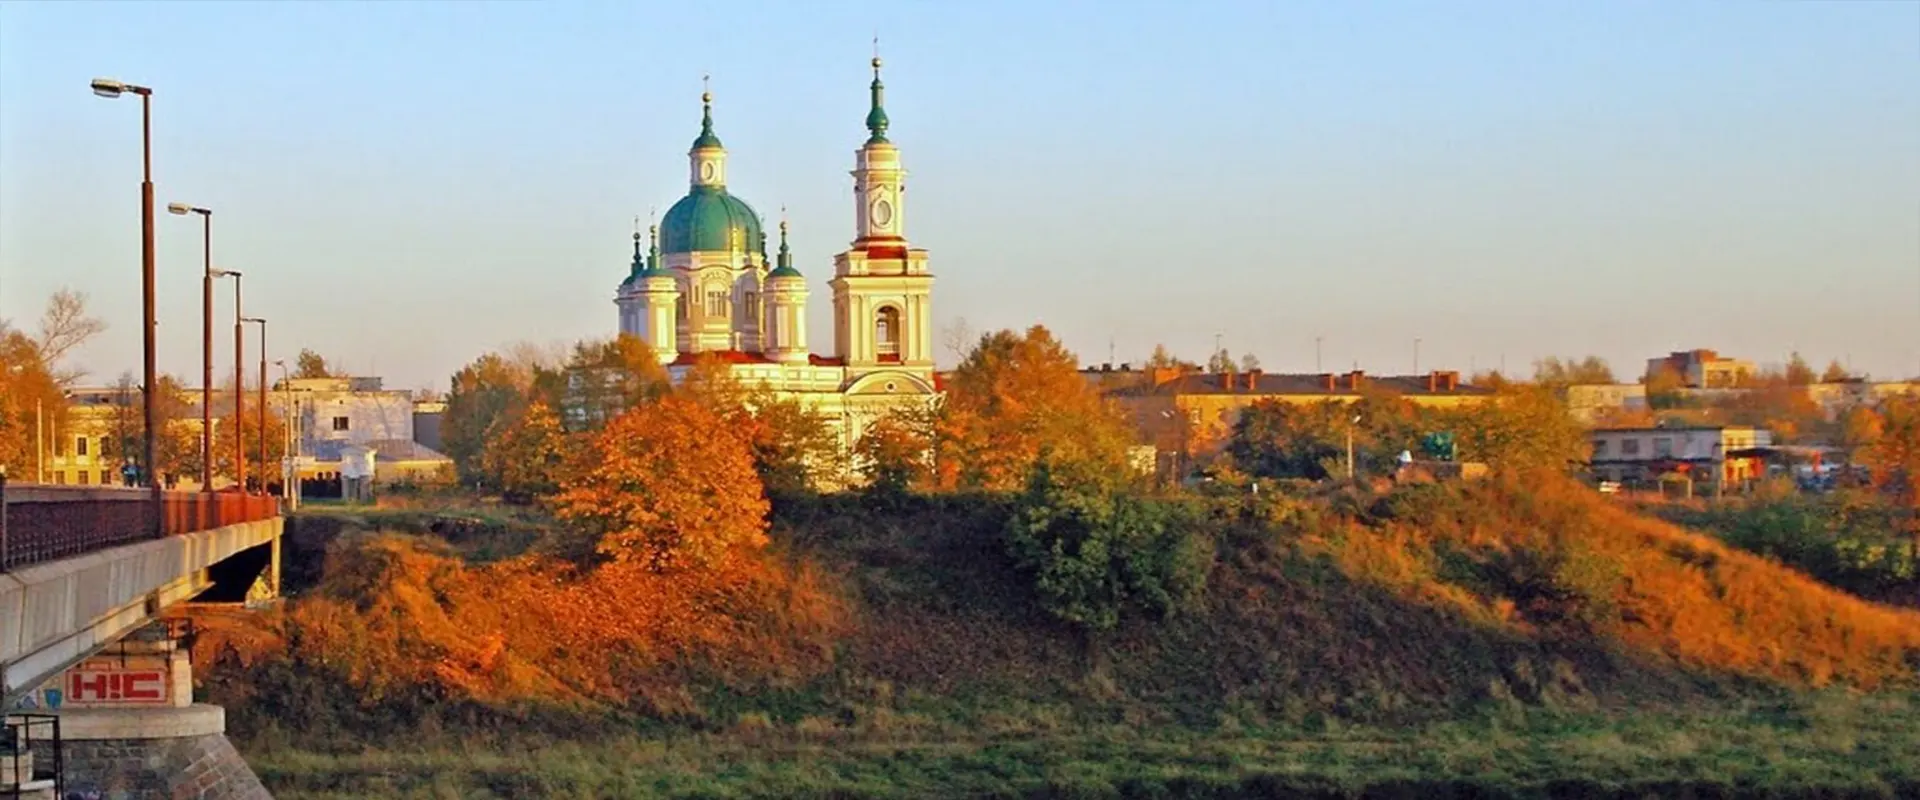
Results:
x,y
706,289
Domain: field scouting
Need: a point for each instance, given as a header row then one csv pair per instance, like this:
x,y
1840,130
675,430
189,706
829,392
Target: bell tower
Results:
x,y
882,292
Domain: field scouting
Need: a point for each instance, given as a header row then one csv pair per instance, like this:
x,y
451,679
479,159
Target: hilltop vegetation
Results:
x,y
1019,616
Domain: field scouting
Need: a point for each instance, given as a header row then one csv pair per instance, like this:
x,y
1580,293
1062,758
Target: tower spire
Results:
x,y
707,137
786,256
638,263
877,117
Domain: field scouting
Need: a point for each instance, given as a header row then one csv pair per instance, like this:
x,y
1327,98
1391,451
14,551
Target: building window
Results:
x,y
716,303
680,309
1663,447
1599,448
80,446
59,478
83,477
753,305
104,480
340,423
1629,447
886,333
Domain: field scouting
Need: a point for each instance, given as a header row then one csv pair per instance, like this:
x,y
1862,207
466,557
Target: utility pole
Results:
x,y
39,444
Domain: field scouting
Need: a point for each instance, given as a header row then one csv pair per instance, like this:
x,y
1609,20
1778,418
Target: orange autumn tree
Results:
x,y
666,485
1014,397
526,451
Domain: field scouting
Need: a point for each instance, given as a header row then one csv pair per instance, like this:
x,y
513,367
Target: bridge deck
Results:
x,y
41,523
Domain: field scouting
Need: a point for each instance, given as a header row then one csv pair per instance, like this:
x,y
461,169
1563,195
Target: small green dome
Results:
x,y
785,270
704,221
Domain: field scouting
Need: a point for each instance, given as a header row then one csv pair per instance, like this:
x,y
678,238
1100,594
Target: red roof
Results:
x,y
825,361
722,356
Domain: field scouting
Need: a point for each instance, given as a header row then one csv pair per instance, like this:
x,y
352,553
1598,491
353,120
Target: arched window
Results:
x,y
716,302
886,333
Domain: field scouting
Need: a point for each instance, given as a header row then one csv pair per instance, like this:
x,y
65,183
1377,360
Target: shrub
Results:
x,y
1095,553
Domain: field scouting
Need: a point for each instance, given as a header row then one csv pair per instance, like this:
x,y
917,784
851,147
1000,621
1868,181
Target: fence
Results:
x,y
48,523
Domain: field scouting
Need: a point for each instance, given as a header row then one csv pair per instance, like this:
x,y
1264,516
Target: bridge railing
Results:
x,y
47,523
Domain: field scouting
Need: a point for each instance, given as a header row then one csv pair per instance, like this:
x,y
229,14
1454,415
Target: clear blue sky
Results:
x,y
408,185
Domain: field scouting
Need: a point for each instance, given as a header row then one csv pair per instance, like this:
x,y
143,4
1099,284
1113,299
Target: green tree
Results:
x,y
1554,372
1220,361
1525,428
1097,552
602,379
1894,457
310,364
482,393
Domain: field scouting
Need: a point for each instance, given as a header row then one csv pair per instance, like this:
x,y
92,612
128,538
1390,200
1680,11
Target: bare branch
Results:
x,y
65,326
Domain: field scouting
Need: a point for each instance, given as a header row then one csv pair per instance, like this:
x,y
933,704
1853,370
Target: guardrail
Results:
x,y
47,523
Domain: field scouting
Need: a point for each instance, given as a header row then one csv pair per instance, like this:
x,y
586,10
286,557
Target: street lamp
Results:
x,y
263,404
290,482
206,338
109,88
1356,423
239,395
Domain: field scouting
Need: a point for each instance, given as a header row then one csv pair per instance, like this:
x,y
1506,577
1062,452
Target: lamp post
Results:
x,y
290,482
239,383
1356,423
109,88
263,401
206,337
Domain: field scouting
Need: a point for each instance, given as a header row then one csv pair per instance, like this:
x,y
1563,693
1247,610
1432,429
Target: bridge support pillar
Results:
x,y
129,730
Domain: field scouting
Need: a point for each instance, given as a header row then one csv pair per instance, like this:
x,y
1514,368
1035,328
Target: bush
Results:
x,y
1095,553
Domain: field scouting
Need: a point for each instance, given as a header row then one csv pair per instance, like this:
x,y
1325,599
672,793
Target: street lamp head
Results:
x,y
256,320
226,273
108,87
183,209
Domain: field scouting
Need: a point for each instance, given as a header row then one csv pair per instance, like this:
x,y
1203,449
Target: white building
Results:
x,y
706,289
1708,454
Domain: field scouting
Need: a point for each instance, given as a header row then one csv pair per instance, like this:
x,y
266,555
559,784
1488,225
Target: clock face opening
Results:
x,y
706,171
882,213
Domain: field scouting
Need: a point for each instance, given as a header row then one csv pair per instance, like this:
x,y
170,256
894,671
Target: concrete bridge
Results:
x,y
93,680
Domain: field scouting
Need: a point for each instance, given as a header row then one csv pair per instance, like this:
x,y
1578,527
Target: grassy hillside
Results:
x,y
1518,633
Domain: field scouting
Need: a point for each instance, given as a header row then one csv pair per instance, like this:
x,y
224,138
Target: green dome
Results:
x,y
704,221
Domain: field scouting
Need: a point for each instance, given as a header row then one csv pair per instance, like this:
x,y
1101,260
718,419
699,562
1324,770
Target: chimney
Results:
x,y
1433,381
1330,380
1226,380
1106,367
1253,380
1354,378
1453,381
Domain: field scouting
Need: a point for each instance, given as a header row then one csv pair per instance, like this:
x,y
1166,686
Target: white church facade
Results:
x,y
705,289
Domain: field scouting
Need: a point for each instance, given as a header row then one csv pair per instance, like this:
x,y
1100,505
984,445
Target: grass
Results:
x,y
1824,745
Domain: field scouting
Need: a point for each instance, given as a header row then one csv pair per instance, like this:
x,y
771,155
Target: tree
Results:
x,y
1524,429
1249,362
29,394
1797,372
1220,361
1835,373
310,364
895,453
250,433
527,452
791,443
63,327
1096,552
481,393
1894,458
603,379
958,337
1554,372
177,444
1861,428
1013,397
667,485
1162,359
1666,388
